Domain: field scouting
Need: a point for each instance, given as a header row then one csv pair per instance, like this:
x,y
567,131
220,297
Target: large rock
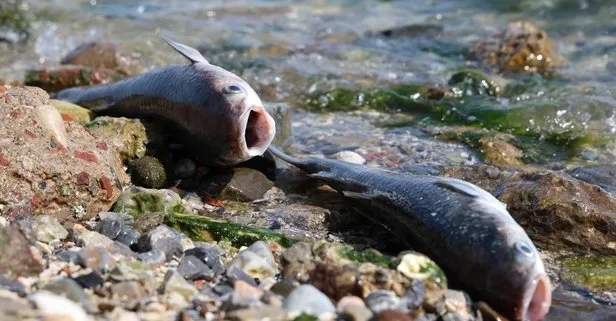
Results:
x,y
554,208
51,166
57,78
520,47
101,54
17,257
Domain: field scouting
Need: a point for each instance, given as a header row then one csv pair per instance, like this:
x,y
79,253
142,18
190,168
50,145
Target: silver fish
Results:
x,y
463,228
221,116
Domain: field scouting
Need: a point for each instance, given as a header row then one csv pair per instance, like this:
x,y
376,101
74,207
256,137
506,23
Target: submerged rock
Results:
x,y
603,176
595,273
57,78
101,54
520,47
555,209
51,166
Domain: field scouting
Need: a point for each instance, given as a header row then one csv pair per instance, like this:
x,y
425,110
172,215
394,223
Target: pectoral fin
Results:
x,y
190,53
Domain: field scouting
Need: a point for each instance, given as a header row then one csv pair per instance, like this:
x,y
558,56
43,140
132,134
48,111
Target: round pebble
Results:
x,y
308,299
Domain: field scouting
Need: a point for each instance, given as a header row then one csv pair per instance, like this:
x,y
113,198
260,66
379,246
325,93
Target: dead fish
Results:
x,y
460,226
222,118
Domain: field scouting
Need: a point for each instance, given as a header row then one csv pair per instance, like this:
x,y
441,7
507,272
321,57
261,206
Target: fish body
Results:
x,y
460,226
220,115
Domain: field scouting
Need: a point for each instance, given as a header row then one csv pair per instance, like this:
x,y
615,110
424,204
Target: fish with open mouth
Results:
x,y
463,228
221,116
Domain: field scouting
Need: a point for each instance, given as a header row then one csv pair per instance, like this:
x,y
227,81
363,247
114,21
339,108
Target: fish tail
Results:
x,y
95,98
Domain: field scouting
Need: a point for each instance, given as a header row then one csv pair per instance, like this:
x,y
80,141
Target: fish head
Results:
x,y
244,128
518,285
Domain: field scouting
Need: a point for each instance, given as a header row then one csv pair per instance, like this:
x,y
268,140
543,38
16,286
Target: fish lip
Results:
x,y
257,150
537,299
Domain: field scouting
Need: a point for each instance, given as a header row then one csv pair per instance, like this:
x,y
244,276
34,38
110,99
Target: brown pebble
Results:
x,y
391,315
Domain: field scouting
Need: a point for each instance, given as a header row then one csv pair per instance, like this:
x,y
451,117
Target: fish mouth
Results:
x,y
538,299
258,132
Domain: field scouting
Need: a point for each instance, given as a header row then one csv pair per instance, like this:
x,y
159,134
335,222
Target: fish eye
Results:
x,y
232,89
523,248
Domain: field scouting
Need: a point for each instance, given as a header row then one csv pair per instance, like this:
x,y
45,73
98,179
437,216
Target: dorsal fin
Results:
x,y
190,53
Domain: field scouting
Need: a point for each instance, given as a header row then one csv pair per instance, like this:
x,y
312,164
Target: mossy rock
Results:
x,y
595,273
148,172
469,82
80,114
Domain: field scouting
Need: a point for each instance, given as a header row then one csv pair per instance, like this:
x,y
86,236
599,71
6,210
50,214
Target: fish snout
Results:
x,y
541,299
259,131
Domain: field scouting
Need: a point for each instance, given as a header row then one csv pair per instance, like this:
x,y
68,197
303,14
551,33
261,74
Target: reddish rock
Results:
x,y
101,145
29,154
62,77
101,54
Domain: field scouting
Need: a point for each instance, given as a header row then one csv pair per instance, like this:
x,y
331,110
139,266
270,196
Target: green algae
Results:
x,y
469,82
201,228
370,256
595,273
305,317
140,203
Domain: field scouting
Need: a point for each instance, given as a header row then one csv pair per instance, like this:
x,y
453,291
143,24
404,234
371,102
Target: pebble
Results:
x,y
92,238
96,258
148,221
244,185
270,313
357,313
110,227
68,256
174,282
208,254
191,268
90,280
71,290
153,258
130,293
12,286
47,229
245,295
128,236
235,274
121,250
392,315
127,219
349,301
283,287
350,157
257,261
306,298
166,239
382,300
55,307
415,295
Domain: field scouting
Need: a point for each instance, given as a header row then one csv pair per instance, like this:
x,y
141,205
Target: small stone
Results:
x,y
149,221
357,313
271,313
208,254
245,295
55,307
128,236
71,290
127,219
119,314
12,286
90,280
68,256
47,228
243,185
191,268
349,157
174,282
235,274
382,300
283,287
297,261
165,239
308,299
222,289
129,293
110,227
457,301
96,258
91,238
121,251
153,258
18,258
148,172
257,261
185,167
392,315
415,295
349,301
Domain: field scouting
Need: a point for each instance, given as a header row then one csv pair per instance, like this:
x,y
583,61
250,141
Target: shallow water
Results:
x,y
292,49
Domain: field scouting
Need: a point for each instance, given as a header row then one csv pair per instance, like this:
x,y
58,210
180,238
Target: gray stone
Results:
x,y
235,274
90,280
271,313
243,185
165,239
129,293
91,238
120,250
257,261
382,300
16,255
349,157
47,228
96,258
12,286
128,236
175,283
127,219
191,268
55,307
153,258
210,254
110,227
306,298
357,313
68,256
71,290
